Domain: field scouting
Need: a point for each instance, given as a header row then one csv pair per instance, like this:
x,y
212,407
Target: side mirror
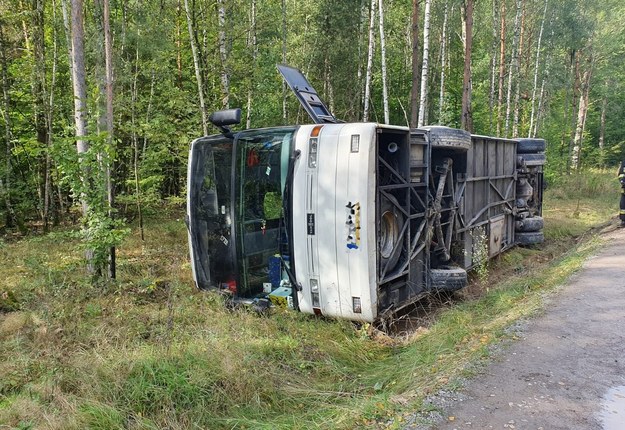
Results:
x,y
221,119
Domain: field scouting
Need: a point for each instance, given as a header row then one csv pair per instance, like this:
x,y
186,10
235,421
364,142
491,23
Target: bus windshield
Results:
x,y
262,162
236,191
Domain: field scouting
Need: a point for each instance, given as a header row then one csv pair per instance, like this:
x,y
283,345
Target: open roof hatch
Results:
x,y
306,95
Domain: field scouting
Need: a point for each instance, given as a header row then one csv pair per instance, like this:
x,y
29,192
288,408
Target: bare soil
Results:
x,y
567,362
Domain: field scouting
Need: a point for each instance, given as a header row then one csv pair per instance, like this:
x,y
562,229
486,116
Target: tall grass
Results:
x,y
151,352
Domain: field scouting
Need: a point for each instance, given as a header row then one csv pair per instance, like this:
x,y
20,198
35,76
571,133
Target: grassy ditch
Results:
x,y
151,352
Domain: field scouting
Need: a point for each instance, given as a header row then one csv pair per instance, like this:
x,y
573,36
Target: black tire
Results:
x,y
390,240
530,146
535,223
529,238
448,278
446,137
532,160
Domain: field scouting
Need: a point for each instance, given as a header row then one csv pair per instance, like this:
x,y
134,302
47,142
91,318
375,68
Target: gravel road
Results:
x,y
568,369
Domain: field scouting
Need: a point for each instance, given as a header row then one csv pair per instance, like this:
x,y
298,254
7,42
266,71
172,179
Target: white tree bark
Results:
x,y
514,65
366,102
536,66
254,46
80,102
517,85
426,64
581,119
196,65
223,53
383,51
493,67
441,96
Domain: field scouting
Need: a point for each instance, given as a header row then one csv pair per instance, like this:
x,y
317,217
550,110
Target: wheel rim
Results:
x,y
389,234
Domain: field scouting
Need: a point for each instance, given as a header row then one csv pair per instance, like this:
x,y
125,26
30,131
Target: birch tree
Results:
x,y
223,54
415,63
253,46
514,65
581,116
108,61
425,67
502,67
80,104
196,67
441,96
536,65
384,71
517,84
467,117
366,101
493,67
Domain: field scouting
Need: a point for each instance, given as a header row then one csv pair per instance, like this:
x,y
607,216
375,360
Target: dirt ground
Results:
x,y
567,371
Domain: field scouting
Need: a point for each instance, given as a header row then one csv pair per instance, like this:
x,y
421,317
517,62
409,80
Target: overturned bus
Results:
x,y
354,220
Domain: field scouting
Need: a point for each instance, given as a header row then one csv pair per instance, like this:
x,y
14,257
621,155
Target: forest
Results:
x,y
101,99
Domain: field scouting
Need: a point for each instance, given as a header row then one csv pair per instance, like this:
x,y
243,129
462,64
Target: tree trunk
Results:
x,y
541,98
517,86
223,53
416,63
574,107
493,69
441,96
536,65
502,65
49,117
196,65
581,118
254,47
285,118
110,187
467,116
514,65
425,67
384,72
135,141
604,106
80,102
365,115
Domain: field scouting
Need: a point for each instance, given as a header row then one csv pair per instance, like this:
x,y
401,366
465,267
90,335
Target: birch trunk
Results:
x,y
425,67
536,65
223,54
196,66
574,108
135,141
493,68
80,103
284,89
365,115
541,98
254,46
604,106
502,65
441,96
467,117
581,119
110,185
514,65
517,86
416,67
384,72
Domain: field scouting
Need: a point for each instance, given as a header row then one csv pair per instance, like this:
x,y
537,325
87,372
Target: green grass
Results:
x,y
151,352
